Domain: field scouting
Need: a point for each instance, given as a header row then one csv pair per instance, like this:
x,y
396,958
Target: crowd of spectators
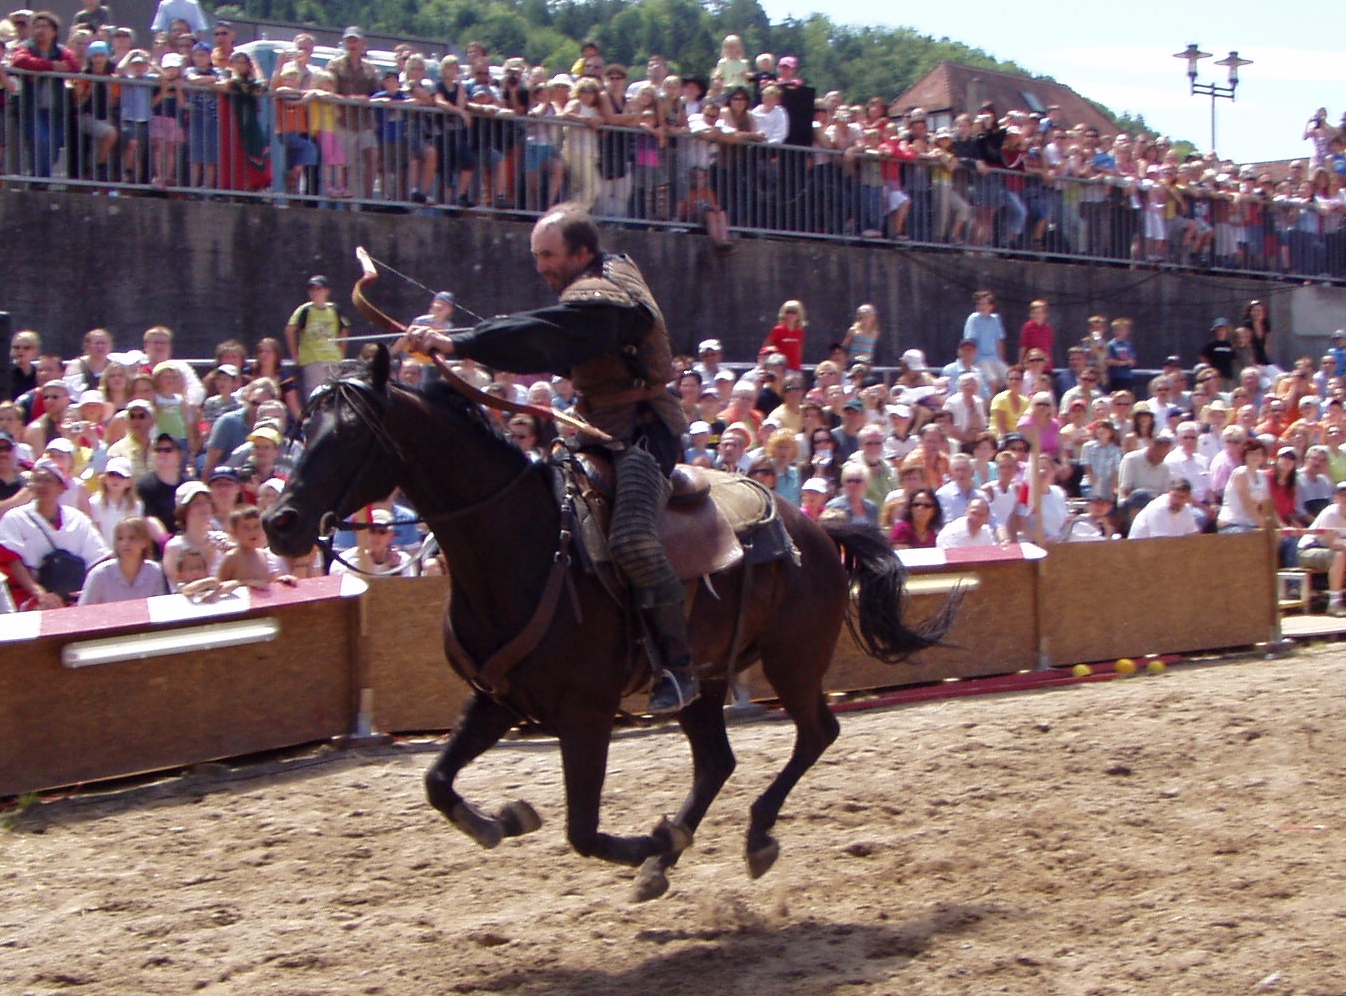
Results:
x,y
133,458
745,144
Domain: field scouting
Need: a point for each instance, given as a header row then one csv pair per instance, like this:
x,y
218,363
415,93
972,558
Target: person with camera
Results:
x,y
46,548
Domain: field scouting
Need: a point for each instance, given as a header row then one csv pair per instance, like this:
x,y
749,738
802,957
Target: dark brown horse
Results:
x,y
498,519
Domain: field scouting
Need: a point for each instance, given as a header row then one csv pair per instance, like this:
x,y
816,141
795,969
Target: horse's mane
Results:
x,y
441,395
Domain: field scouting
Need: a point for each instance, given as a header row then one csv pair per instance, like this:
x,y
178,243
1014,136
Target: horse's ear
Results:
x,y
379,366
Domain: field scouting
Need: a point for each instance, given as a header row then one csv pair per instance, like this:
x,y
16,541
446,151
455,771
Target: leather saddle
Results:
x,y
703,527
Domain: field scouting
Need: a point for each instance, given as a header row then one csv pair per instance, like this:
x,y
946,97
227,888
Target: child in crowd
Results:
x,y
173,414
135,103
166,136
203,117
116,500
322,116
1121,356
701,205
250,562
292,124
129,573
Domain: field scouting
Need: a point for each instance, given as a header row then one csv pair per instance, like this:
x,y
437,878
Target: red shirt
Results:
x,y
1037,336
789,342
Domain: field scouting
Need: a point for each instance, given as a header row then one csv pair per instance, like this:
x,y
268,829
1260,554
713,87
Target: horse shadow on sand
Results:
x,y
741,952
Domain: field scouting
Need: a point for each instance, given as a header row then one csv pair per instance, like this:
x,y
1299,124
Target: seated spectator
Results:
x,y
919,522
1323,547
1101,458
1008,407
193,514
1314,484
871,455
960,489
115,499
1247,497
852,502
1172,516
377,554
1094,524
813,496
1040,518
971,529
130,573
32,532
968,409
249,562
1144,471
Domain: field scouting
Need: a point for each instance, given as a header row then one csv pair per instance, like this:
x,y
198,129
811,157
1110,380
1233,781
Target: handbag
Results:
x,y
60,572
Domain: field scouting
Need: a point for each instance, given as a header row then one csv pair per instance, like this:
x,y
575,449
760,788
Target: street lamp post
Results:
x,y
1193,55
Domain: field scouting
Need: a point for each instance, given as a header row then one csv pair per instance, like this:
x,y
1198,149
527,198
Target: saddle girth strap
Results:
x,y
492,676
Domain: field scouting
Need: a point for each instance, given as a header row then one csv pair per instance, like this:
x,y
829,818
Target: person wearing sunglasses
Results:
x,y
919,522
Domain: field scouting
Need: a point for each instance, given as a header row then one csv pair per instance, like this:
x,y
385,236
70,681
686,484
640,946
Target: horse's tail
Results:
x,y
879,578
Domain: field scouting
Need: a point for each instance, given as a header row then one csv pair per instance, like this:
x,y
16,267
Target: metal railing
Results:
x,y
116,134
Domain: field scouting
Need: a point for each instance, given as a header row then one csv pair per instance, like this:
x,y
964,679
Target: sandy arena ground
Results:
x,y
1183,834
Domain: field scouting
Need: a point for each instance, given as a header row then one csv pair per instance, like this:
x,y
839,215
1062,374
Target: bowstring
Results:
x,y
458,306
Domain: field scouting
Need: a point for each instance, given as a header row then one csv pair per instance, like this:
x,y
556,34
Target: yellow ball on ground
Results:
x,y
1126,665
1156,666
1081,670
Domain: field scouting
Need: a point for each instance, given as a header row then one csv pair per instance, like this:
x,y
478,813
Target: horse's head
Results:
x,y
349,460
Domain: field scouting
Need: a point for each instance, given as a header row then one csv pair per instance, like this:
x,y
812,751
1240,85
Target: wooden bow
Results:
x,y
386,321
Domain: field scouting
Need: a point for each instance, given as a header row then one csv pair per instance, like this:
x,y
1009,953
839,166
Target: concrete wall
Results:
x,y
213,271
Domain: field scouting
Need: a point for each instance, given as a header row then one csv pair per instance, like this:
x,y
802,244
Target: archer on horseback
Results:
x,y
607,335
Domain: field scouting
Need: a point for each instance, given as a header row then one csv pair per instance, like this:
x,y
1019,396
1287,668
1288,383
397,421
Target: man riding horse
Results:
x,y
607,335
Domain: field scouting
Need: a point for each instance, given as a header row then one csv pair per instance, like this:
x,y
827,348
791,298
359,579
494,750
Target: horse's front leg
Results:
x,y
584,755
483,723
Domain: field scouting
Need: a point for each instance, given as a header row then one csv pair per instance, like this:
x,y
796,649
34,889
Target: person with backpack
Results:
x,y
315,335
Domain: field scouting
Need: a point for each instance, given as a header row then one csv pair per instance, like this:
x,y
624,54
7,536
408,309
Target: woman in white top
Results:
x,y
1247,497
116,500
193,513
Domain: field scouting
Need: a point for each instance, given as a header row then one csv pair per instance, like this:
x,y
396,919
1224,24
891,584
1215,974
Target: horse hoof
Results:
x,y
651,881
518,818
677,836
761,860
484,830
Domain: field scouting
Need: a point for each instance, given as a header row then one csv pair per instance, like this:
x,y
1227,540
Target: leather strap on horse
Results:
x,y
378,317
492,676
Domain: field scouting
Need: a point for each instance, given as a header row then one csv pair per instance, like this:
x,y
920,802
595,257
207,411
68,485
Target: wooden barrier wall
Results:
x,y
1080,603
60,726
1101,601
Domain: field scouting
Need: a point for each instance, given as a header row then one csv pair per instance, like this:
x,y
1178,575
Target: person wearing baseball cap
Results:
x,y
315,333
31,533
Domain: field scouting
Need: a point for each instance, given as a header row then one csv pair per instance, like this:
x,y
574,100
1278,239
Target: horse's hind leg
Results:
x,y
481,726
815,730
712,764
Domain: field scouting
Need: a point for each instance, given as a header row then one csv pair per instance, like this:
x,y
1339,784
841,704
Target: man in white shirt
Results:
x,y
1171,516
1186,462
968,410
972,529
1324,546
772,121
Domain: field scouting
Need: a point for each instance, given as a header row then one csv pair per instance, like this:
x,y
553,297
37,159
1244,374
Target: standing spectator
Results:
x,y
787,336
985,328
42,102
1037,333
863,335
315,335
1219,353
169,11
1257,319
245,162
1120,356
130,573
201,89
356,79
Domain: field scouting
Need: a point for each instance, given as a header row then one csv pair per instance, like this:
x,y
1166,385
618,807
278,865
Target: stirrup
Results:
x,y
672,692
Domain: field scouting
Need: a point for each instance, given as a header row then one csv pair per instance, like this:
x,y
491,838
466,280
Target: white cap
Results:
x,y
698,427
914,359
60,445
120,466
710,346
381,517
187,491
817,484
